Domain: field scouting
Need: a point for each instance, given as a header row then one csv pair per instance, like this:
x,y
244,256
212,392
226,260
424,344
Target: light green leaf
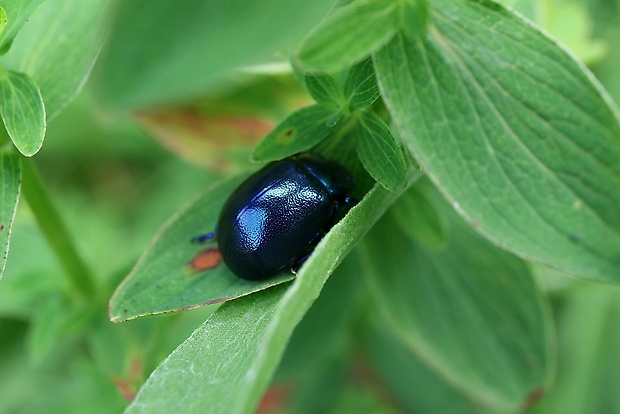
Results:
x,y
227,363
175,274
350,34
22,111
361,86
2,20
414,16
300,131
325,90
514,132
178,52
379,152
10,178
17,13
58,46
416,386
420,219
471,312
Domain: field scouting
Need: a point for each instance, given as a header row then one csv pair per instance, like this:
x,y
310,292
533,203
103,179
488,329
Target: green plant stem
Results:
x,y
80,278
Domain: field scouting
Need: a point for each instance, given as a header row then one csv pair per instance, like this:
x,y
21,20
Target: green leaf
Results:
x,y
320,379
349,35
379,152
514,132
10,177
151,63
16,14
228,362
22,111
420,389
325,90
471,312
173,273
58,46
414,17
3,20
361,86
300,131
419,218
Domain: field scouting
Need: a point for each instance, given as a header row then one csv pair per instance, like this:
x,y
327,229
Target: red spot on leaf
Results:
x,y
533,398
128,386
274,399
206,259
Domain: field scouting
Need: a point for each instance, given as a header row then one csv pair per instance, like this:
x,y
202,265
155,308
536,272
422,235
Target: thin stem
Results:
x,y
80,278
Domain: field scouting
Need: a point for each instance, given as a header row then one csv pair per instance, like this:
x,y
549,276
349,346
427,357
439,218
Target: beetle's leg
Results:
x,y
203,238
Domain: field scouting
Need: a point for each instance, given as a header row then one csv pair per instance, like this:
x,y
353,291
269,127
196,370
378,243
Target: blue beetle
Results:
x,y
275,218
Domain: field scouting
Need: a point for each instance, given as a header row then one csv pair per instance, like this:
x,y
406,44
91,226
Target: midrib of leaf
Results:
x,y
470,75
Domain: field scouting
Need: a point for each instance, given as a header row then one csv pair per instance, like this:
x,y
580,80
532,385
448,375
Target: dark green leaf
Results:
x,y
228,362
17,13
58,46
165,278
471,312
162,51
10,178
514,132
361,86
379,152
414,16
325,90
419,218
417,387
349,35
22,111
300,131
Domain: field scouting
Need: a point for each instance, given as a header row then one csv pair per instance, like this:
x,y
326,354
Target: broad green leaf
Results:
x,y
325,90
10,178
227,363
420,219
414,16
23,112
300,131
514,132
416,386
379,152
17,13
175,274
58,46
350,34
361,86
152,63
319,379
471,312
